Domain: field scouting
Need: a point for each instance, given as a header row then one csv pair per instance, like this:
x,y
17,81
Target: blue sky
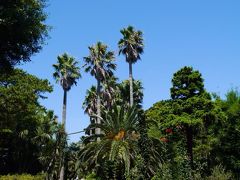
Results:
x,y
203,34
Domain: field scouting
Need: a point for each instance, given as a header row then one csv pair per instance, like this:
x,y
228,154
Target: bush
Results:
x,y
23,177
219,173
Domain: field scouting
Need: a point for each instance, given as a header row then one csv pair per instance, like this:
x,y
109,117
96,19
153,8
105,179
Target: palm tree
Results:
x,y
131,45
90,101
119,141
107,99
110,90
90,106
100,65
124,87
66,72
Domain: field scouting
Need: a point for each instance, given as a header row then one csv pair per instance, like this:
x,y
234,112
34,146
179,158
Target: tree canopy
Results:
x,y
22,30
20,114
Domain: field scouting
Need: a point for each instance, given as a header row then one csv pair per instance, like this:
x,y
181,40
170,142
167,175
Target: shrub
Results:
x,y
220,173
23,177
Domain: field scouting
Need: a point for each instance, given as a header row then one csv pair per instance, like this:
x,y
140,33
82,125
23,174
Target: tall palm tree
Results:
x,y
66,72
131,45
119,141
100,65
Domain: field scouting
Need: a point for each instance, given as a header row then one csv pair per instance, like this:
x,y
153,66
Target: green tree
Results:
x,y
66,72
44,137
100,64
187,87
131,45
186,83
20,114
49,139
23,30
227,149
188,117
150,149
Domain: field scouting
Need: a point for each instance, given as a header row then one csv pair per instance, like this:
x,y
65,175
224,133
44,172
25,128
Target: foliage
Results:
x,y
57,153
90,101
20,114
66,71
123,93
227,149
131,45
219,172
23,30
118,143
137,171
185,137
191,119
150,149
23,177
186,83
192,105
100,63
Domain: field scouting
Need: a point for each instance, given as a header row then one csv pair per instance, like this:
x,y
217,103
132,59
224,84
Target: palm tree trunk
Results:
x,y
64,108
131,84
62,173
98,131
63,123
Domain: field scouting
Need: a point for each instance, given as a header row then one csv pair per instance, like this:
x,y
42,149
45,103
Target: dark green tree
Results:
x,y
22,30
186,83
20,114
131,46
187,88
187,117
227,149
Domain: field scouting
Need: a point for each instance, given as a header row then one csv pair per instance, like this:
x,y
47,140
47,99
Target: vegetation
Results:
x,y
131,45
66,72
21,115
192,135
100,65
22,177
22,29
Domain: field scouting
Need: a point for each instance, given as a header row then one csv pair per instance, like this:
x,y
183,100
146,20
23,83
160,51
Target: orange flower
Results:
x,y
120,135
163,139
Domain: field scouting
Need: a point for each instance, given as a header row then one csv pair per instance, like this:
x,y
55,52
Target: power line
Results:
x,y
76,132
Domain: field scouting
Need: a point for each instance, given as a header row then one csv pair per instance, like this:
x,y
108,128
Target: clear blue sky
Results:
x,y
204,34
